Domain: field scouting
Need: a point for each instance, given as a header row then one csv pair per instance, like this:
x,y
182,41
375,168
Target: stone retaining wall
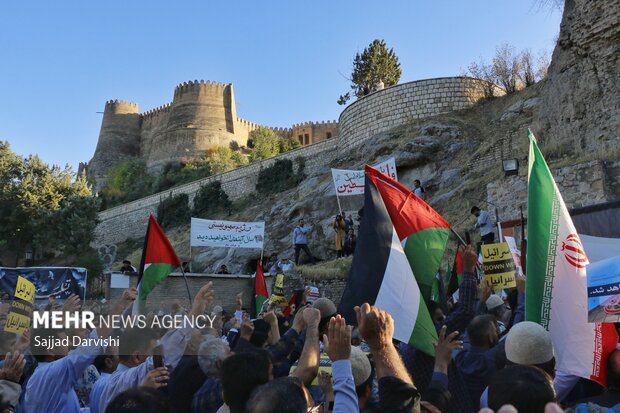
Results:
x,y
400,104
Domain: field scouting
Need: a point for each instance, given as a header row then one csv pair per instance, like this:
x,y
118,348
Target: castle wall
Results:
x,y
119,138
313,132
397,105
201,117
129,220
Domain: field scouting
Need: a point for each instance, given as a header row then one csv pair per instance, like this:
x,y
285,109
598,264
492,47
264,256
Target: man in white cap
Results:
x,y
528,344
496,307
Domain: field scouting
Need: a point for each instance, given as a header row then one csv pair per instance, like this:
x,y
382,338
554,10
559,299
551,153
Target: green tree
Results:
x,y
43,207
280,176
376,64
224,159
127,180
287,144
174,211
211,199
264,143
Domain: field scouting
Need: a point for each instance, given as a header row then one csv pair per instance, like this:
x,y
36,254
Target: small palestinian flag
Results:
x,y
158,260
399,235
260,289
556,295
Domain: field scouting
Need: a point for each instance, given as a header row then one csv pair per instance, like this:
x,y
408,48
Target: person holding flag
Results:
x,y
158,260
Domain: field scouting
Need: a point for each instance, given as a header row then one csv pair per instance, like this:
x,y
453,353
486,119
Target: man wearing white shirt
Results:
x,y
50,389
135,366
487,236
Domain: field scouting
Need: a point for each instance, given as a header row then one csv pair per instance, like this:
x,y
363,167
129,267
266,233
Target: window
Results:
x,y
300,138
329,135
307,139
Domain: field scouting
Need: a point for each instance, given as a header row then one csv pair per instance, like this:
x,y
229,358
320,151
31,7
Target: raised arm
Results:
x,y
337,343
308,366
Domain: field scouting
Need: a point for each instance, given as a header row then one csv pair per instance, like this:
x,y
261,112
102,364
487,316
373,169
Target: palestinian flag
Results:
x,y
260,289
399,235
422,232
556,291
158,261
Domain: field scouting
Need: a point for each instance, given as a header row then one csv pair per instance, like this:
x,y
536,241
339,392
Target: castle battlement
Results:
x,y
121,106
323,122
156,111
200,86
202,116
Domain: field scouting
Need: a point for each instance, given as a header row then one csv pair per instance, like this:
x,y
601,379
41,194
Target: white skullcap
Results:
x,y
360,366
528,343
494,301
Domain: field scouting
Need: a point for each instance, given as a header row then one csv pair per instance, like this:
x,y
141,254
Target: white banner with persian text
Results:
x,y
217,233
351,182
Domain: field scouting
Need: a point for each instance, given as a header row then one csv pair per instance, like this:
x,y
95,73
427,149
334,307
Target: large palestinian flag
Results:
x,y
158,260
399,235
556,290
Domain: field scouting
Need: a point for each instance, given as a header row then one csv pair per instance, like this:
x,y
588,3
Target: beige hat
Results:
x,y
360,366
325,306
217,309
494,301
528,343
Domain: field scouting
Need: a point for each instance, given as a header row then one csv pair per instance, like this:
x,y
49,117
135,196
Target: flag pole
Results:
x,y
523,242
189,295
338,199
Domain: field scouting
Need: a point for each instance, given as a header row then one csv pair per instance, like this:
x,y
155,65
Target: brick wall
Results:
x,y
397,105
226,288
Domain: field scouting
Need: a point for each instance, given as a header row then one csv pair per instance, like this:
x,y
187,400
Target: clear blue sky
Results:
x,y
61,60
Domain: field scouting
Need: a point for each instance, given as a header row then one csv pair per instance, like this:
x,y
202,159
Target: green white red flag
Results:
x,y
260,288
400,246
158,260
556,291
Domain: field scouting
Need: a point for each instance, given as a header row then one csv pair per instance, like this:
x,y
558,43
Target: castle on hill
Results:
x,y
201,116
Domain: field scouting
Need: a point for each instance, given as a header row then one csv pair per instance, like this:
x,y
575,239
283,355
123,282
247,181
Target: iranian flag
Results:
x,y
260,288
400,245
158,261
556,292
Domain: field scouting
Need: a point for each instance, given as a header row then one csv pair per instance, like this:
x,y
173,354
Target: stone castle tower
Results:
x,y
202,116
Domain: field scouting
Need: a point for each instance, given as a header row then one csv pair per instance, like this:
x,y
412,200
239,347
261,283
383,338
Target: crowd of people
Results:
x,y
304,360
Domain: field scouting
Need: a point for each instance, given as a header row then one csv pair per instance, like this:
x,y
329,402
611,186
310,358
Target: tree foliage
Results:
x,y
130,180
224,159
265,143
376,64
211,199
511,70
280,176
174,211
127,180
43,207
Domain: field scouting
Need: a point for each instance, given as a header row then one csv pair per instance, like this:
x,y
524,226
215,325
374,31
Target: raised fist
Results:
x,y
375,326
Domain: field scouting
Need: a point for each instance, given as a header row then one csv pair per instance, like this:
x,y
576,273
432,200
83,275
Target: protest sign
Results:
x,y
516,253
604,290
498,265
217,233
56,282
351,182
18,318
